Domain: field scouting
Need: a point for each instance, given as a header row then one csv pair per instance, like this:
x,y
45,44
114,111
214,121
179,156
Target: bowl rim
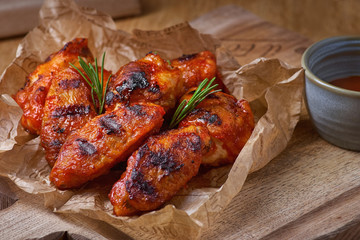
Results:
x,y
321,83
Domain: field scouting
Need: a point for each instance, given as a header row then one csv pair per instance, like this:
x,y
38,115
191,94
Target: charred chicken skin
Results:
x,y
68,106
229,121
32,97
159,169
103,142
150,79
212,134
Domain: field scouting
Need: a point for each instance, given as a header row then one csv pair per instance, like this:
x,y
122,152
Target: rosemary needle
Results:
x,y
96,84
204,89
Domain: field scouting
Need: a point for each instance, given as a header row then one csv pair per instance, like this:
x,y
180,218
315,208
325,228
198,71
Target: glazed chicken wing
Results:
x,y
103,142
212,134
159,169
229,121
31,98
150,79
68,107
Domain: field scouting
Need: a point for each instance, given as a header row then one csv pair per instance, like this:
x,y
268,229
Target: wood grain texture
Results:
x,y
312,190
248,37
313,19
7,197
28,218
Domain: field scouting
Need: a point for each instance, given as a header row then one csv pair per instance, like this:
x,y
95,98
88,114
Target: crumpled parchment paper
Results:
x,y
273,88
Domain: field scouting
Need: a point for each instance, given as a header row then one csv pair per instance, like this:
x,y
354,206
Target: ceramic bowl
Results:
x,y
334,111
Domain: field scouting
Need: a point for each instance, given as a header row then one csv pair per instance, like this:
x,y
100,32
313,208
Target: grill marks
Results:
x,y
188,141
137,80
142,151
71,110
137,110
131,78
109,123
166,161
187,57
69,84
109,98
154,88
138,182
207,116
85,147
193,143
58,129
56,143
211,118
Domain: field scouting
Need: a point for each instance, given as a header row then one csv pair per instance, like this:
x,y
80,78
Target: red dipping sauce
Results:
x,y
350,83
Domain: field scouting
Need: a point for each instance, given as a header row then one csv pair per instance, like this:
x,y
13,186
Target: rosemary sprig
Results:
x,y
204,89
96,84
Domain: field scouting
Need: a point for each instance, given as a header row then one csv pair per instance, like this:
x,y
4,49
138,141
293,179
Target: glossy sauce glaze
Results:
x,y
350,83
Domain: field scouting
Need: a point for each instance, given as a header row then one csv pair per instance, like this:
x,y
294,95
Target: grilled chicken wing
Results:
x,y
68,106
31,98
229,121
150,79
103,142
212,134
160,168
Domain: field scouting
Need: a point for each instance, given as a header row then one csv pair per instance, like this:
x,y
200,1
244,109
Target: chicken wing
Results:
x,y
229,121
150,79
212,134
31,98
103,142
159,169
68,106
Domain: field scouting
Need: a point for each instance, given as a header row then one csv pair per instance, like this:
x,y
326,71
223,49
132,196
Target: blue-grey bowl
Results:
x,y
334,111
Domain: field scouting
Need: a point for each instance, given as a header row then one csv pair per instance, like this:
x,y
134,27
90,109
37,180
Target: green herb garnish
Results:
x,y
204,89
96,84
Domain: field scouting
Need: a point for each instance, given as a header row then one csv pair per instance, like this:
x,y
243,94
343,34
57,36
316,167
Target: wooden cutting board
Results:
x,y
313,188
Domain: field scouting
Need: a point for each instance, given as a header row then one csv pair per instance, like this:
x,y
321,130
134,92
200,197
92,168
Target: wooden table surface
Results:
x,y
336,18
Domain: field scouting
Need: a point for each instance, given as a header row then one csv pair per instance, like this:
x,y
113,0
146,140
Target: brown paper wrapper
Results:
x,y
273,88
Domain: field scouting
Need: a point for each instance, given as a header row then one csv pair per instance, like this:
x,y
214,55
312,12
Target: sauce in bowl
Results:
x,y
350,83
